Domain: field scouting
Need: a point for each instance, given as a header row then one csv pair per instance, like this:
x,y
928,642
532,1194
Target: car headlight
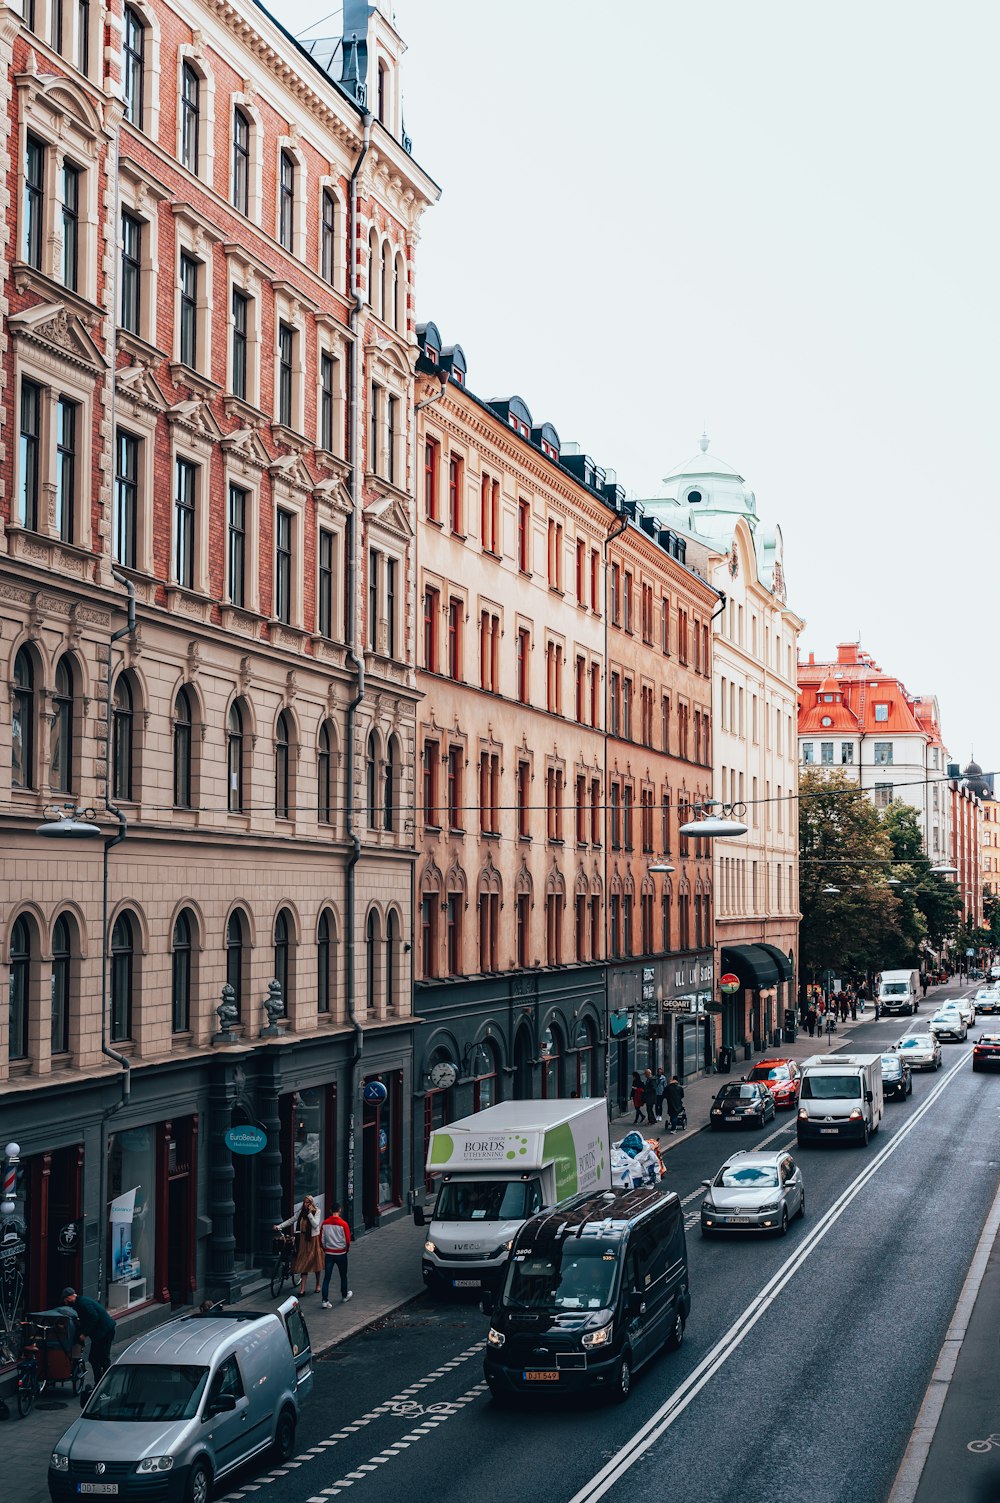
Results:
x,y
803,1114
155,1464
856,1114
600,1337
716,1111
707,1205
429,1246
495,1338
770,1210
58,1462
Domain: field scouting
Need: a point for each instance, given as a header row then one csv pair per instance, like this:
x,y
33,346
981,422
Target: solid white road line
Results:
x,y
911,1468
661,1420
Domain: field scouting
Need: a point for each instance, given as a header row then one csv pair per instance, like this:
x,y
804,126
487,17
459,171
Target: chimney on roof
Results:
x,y
848,652
812,660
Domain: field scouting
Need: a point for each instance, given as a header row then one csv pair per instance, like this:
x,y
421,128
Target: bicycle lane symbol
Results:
x,y
980,1447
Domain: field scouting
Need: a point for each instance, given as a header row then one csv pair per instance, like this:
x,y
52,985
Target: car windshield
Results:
x,y
487,1200
744,1092
830,1087
916,1041
762,1072
579,1275
747,1176
890,1065
894,989
139,1392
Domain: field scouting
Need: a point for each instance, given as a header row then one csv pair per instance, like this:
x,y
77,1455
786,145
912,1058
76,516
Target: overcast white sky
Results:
x,y
774,218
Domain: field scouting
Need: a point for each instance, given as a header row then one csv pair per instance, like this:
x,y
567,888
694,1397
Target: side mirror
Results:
x,y
488,1302
419,1219
224,1404
707,1183
869,1096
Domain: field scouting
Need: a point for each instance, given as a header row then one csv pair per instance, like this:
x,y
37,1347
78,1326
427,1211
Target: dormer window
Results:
x,y
881,712
549,449
431,354
518,425
694,497
457,375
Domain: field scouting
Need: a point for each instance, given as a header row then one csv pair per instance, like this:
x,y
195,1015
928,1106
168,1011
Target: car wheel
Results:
x,y
783,1228
199,1483
284,1436
623,1380
864,1140
676,1333
802,1205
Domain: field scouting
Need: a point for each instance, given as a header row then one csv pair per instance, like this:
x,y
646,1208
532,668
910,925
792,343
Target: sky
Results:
x,y
774,220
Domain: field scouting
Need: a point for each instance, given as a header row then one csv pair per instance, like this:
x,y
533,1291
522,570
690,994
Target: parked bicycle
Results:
x,y
283,1247
52,1353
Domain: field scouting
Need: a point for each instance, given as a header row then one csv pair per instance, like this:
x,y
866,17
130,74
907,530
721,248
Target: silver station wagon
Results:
x,y
185,1405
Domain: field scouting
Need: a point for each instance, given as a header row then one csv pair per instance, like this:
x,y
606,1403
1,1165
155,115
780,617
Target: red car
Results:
x,y
782,1078
986,1051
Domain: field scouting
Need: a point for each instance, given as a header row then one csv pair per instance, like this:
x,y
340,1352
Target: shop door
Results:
x,y
522,1066
55,1182
178,1177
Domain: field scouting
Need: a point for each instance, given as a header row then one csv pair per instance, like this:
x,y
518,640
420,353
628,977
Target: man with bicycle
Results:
x,y
95,1322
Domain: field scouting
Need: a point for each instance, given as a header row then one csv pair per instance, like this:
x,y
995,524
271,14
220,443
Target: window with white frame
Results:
x,y
241,160
128,492
383,625
55,234
240,343
189,310
331,403
284,564
288,375
195,112
187,476
808,753
290,208
237,553
329,592
53,452
190,117
193,320
332,247
131,309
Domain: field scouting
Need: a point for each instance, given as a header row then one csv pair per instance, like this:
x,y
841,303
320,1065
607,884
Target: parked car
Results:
x,y
897,1078
753,1192
746,1104
986,1051
995,972
948,1023
921,1051
988,999
186,1404
782,1079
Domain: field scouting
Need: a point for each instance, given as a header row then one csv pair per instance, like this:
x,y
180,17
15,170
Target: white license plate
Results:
x,y
738,1220
829,1129
733,1118
466,1283
105,1489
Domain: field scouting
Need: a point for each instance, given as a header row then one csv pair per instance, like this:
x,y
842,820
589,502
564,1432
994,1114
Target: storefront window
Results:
x,y
383,1148
551,1053
585,1057
131,1214
484,1068
308,1142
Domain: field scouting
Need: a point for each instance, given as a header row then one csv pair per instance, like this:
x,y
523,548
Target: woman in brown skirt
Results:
x,y
309,1254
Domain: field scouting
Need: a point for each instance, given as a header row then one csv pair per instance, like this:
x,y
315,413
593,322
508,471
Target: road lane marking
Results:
x,y
673,1407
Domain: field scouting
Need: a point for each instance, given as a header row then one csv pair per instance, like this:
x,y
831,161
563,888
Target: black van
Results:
x,y
593,1290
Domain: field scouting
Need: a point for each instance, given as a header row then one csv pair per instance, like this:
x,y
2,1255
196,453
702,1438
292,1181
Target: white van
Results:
x,y
841,1097
899,991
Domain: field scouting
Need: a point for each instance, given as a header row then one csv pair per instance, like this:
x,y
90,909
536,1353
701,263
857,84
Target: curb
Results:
x,y
411,1299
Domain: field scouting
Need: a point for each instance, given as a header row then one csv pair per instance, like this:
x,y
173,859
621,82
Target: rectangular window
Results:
x,y
627,709
66,436
522,794
431,603
390,606
455,639
327,394
286,199
581,810
375,428
581,572
31,416
241,161
523,536
456,486
615,703
456,760
392,439
847,752
184,518
131,299
616,817
808,753
328,233
523,659
34,201
523,915
190,269
489,793
581,694
881,712
627,602
126,499
237,544
430,767
883,795
190,117
326,582
595,694
374,582
615,595
826,753
283,537
596,813
489,515
431,480
70,225
133,65
627,815
883,753
286,356
241,322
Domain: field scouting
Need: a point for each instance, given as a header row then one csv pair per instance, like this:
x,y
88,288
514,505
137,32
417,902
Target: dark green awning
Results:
x,y
752,964
785,968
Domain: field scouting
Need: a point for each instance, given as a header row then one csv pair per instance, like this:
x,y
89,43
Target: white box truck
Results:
x,y
497,1168
840,1098
899,991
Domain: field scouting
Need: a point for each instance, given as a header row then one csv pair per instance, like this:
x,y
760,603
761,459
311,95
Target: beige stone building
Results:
x,y
207,361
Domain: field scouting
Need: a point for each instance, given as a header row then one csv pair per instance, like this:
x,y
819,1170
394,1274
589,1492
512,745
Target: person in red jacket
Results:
x,y
335,1240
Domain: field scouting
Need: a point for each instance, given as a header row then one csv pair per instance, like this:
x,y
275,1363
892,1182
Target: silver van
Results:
x,y
186,1404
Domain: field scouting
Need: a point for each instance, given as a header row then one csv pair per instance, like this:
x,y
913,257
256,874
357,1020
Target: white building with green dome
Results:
x,y
755,742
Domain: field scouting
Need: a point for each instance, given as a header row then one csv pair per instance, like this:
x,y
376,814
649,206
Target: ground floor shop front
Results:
x,y
754,1015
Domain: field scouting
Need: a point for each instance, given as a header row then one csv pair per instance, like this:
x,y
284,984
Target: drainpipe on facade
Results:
x,y
615,532
711,679
357,659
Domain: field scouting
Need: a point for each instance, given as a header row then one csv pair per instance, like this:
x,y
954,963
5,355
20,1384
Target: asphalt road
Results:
x,y
804,1364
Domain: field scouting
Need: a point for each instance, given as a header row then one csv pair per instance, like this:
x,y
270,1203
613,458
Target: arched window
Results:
x,y
180,973
286,200
122,975
61,743
282,766
430,906
241,160
391,959
20,982
183,747
133,66
324,775
122,732
489,902
552,1062
371,779
62,962
235,752
374,272
23,723
371,960
236,948
390,773
584,1043
382,100
325,947
283,930
484,1067
388,297
399,296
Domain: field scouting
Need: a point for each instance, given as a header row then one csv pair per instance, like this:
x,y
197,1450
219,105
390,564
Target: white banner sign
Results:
x,y
123,1207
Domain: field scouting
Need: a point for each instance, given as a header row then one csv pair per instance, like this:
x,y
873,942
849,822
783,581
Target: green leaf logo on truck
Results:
x,y
513,1153
561,1149
442,1148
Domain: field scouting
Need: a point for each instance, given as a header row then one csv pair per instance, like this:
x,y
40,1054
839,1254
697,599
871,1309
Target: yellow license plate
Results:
x,y
541,1377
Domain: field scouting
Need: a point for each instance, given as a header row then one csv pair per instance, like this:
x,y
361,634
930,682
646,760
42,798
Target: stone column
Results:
x,y
268,1165
221,1206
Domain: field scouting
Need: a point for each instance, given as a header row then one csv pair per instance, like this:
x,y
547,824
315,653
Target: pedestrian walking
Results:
x,y
661,1091
95,1322
309,1253
637,1097
675,1102
861,1004
335,1239
854,1009
649,1095
811,1021
923,983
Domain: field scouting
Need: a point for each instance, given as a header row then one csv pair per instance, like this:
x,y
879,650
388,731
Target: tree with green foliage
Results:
x,y
930,907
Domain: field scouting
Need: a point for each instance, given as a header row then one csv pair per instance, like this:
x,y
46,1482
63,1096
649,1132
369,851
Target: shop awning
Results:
x,y
753,964
785,968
